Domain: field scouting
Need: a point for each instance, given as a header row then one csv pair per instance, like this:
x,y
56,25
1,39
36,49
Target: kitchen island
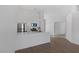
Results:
x,y
29,39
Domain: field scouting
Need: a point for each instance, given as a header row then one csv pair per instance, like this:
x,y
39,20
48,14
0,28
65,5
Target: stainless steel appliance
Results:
x,y
21,27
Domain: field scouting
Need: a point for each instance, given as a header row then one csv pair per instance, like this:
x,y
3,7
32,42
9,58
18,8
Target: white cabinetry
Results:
x,y
29,39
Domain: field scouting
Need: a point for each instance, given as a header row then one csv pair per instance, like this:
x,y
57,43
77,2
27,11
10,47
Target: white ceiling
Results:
x,y
50,9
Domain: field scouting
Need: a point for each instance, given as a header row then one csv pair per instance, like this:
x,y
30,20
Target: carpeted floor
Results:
x,y
56,45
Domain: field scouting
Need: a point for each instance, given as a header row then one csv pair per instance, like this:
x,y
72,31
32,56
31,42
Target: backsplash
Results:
x,y
34,26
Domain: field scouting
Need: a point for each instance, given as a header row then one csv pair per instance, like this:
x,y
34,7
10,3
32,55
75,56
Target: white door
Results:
x,y
59,28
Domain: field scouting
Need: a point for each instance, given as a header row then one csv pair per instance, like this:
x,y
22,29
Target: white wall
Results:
x,y
75,27
7,28
72,25
69,27
72,29
54,14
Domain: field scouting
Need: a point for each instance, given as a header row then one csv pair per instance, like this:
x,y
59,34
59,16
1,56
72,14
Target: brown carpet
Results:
x,y
57,45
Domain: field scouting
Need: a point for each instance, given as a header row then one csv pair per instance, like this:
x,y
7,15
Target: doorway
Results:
x,y
59,29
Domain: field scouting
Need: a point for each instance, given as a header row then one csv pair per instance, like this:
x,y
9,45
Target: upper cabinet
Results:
x,y
29,13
